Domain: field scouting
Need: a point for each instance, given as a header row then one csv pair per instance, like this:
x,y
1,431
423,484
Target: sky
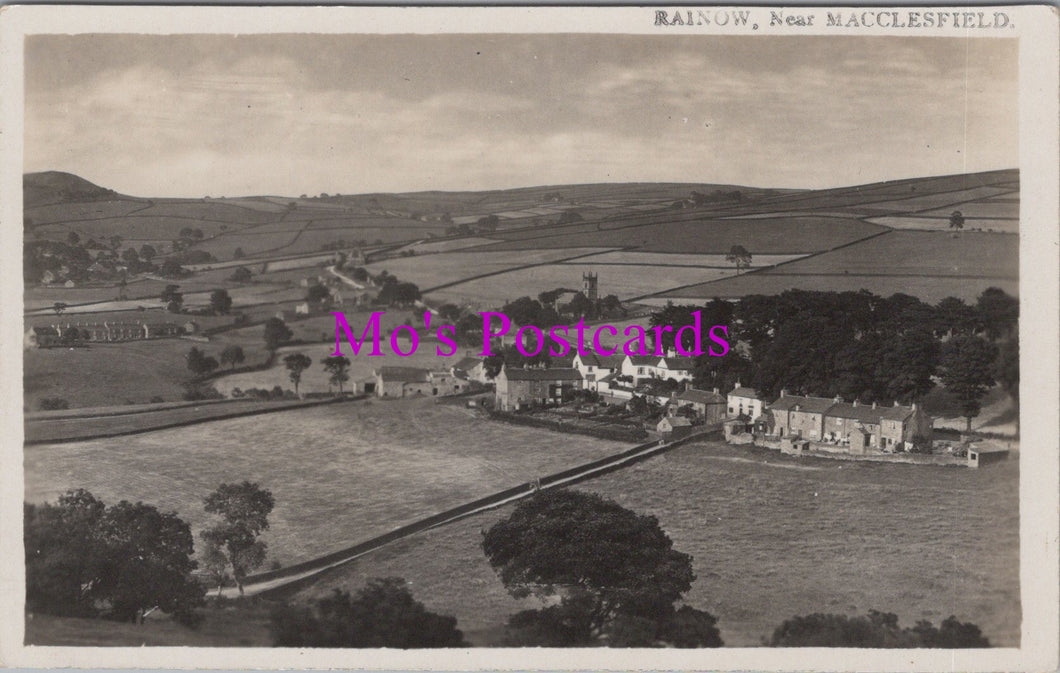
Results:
x,y
219,115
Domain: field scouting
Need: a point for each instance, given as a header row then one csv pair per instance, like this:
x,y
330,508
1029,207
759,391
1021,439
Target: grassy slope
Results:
x,y
771,537
340,473
245,627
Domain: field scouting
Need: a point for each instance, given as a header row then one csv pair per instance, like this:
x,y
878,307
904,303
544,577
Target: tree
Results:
x,y
86,559
241,275
875,630
59,307
296,363
220,301
277,333
147,252
238,253
612,568
998,312
338,368
317,294
199,363
171,268
73,238
739,256
967,371
172,298
242,514
130,257
956,220
232,355
382,614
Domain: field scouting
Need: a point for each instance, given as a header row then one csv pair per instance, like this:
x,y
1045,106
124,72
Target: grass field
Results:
x,y
684,233
926,288
340,473
942,223
429,271
624,257
624,280
771,537
107,374
222,627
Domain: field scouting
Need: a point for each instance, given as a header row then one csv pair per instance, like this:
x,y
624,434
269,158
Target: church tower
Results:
x,y
589,286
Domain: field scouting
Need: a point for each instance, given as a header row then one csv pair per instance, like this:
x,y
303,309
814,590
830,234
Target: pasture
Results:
x,y
696,233
942,223
927,288
625,280
771,537
340,473
431,271
106,374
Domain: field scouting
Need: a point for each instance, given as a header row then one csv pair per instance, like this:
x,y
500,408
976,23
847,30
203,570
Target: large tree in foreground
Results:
x,y
615,573
242,515
967,371
382,614
86,559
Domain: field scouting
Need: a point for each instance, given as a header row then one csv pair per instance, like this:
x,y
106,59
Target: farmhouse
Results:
x,y
674,427
594,367
658,367
707,404
521,388
744,401
862,427
408,381
470,369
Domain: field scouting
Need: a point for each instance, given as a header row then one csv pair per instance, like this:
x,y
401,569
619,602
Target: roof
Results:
x,y
403,374
562,361
468,363
701,396
613,361
817,405
744,392
549,374
50,331
859,412
643,360
676,421
679,363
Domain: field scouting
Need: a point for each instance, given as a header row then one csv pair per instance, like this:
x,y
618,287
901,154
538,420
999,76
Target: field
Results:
x,y
942,223
246,627
107,374
624,257
340,473
431,271
929,265
771,537
926,288
626,281
695,233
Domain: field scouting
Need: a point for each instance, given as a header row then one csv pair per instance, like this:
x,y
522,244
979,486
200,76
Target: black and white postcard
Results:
x,y
530,337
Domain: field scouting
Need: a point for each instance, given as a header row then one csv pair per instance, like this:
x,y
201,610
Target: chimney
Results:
x,y
914,406
874,404
896,403
738,385
839,400
855,402
717,392
782,392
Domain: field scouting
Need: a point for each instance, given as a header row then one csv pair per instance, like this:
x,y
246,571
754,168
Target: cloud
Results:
x,y
260,116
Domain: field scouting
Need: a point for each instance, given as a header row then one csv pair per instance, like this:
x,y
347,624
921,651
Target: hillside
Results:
x,y
39,189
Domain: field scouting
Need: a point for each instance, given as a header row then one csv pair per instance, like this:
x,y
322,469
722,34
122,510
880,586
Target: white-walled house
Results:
x,y
744,401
